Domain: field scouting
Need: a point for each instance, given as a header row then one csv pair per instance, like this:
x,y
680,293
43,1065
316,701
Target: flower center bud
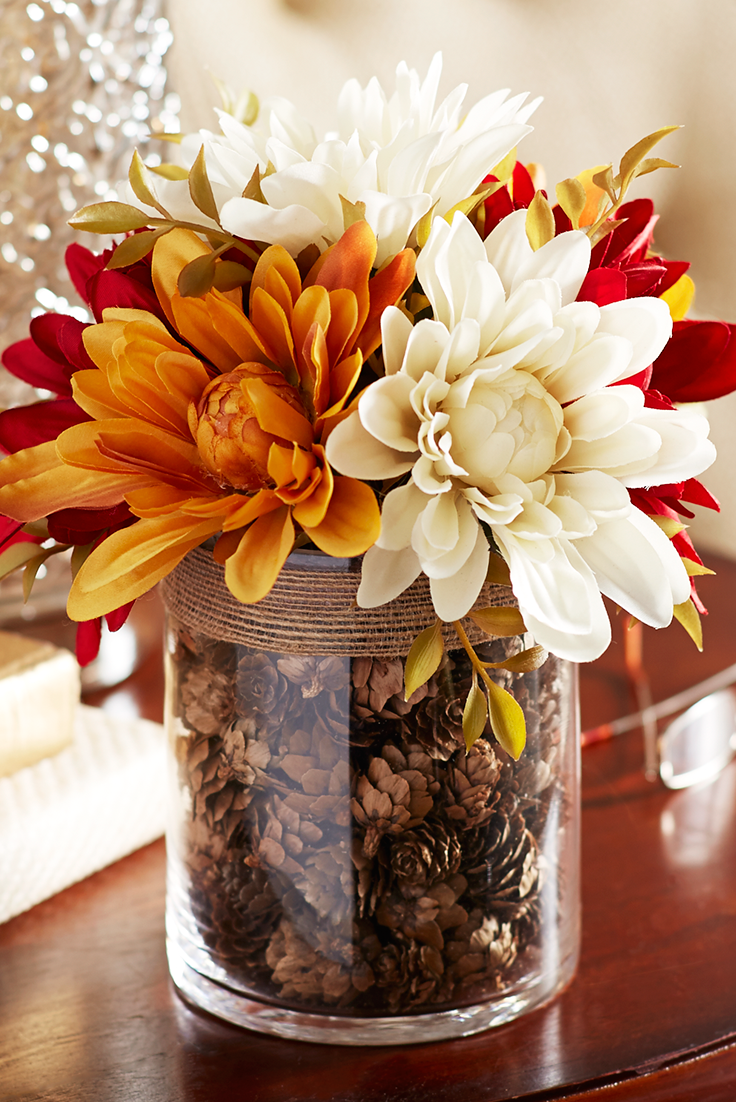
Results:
x,y
233,446
509,426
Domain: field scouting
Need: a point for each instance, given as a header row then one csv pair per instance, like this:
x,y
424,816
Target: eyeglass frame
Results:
x,y
649,714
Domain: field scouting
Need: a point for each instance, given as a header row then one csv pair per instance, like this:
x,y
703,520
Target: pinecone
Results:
x,y
244,916
427,917
316,774
280,839
390,798
262,691
409,973
207,698
305,974
424,855
375,681
480,952
503,864
437,724
316,675
471,786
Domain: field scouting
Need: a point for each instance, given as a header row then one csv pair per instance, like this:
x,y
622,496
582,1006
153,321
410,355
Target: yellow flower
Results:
x,y
226,438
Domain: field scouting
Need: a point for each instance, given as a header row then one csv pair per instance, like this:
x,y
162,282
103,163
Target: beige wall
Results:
x,y
610,73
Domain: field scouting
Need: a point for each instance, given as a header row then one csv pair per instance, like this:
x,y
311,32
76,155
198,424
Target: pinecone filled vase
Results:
x,y
340,867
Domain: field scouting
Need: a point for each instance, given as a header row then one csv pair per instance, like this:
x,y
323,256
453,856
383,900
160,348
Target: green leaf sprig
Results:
x,y
200,275
491,702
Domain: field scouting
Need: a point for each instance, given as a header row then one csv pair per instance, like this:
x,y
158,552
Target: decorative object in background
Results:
x,y
70,815
390,345
39,693
340,869
80,85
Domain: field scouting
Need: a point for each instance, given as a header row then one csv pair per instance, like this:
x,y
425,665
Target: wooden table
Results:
x,y
87,1013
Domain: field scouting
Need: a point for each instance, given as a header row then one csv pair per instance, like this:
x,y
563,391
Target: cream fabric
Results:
x,y
610,74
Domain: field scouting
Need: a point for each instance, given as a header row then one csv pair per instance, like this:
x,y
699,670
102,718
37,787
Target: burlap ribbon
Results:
x,y
310,610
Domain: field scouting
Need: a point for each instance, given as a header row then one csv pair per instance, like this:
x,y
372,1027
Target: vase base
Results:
x,y
299,1025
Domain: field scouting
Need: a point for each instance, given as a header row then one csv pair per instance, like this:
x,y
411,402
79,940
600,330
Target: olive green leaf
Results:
x,y
109,218
540,222
15,556
694,569
80,554
37,528
244,107
423,658
170,171
572,198
524,661
688,616
164,136
475,714
252,189
352,212
134,248
604,180
196,277
669,525
498,571
468,205
34,565
424,226
504,170
632,158
651,164
200,188
141,185
501,621
229,275
507,719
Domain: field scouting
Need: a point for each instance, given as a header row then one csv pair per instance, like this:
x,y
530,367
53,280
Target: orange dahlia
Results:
x,y
216,422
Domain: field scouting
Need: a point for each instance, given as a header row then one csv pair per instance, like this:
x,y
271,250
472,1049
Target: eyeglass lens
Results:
x,y
700,743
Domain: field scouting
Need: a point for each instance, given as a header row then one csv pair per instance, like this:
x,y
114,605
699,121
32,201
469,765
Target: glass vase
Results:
x,y
340,868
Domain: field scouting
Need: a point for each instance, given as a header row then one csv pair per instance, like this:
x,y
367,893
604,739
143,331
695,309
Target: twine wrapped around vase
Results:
x,y
311,609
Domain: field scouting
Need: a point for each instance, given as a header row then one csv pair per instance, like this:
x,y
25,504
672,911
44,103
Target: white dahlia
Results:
x,y
504,412
399,155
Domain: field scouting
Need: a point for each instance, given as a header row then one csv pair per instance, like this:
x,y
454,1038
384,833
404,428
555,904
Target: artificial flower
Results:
x,y
511,412
163,395
400,156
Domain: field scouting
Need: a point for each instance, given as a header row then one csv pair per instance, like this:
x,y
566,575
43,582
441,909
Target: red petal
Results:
x,y
603,285
643,278
26,361
118,288
562,222
523,186
10,532
26,426
89,633
81,526
696,493
674,269
698,363
497,207
118,616
82,264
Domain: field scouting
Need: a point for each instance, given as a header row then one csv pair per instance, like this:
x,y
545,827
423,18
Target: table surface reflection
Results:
x,y
87,1013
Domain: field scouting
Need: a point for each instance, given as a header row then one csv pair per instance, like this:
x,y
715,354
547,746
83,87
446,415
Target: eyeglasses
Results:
x,y
698,744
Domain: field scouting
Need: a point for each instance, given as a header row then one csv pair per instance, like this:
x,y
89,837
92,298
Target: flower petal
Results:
x,y
385,574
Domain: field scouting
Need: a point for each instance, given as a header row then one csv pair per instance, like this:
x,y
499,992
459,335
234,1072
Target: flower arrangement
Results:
x,y
388,343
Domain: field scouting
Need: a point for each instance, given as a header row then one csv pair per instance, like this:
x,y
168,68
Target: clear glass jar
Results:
x,y
340,868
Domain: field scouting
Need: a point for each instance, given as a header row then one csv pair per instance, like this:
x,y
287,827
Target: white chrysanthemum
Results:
x,y
503,411
399,155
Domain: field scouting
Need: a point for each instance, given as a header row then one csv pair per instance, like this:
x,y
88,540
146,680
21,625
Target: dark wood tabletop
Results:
x,y
88,1014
